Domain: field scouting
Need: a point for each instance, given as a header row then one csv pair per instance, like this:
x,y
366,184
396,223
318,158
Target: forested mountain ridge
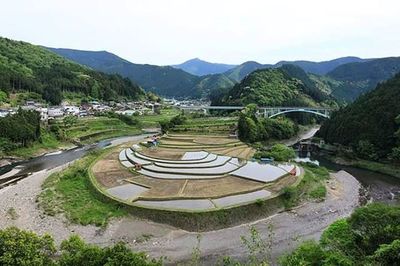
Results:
x,y
288,85
319,68
354,79
200,67
323,67
164,80
27,67
370,125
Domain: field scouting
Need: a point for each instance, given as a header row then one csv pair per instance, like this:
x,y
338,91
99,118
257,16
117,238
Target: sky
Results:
x,y
165,32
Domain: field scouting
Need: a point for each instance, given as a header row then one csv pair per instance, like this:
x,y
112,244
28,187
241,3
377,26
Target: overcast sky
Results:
x,y
229,31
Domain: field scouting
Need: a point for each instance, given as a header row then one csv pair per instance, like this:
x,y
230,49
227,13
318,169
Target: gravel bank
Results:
x,y
305,222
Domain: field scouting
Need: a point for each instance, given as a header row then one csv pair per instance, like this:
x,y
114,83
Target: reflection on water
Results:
x,y
381,187
55,159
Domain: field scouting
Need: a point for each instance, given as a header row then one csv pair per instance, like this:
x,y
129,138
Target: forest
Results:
x,y
370,125
19,129
30,68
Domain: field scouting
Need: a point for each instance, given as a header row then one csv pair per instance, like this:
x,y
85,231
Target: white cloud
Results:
x,y
167,32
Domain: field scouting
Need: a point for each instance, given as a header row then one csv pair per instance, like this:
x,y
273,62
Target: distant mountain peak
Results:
x,y
199,67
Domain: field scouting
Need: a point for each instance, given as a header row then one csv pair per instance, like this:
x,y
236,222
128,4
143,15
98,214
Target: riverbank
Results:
x,y
383,168
305,132
19,208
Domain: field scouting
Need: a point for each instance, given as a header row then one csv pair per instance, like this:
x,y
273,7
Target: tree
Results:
x,y
3,96
19,247
52,95
366,150
70,120
281,152
388,254
308,253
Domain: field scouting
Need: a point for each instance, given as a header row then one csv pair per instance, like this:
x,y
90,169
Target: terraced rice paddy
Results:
x,y
190,173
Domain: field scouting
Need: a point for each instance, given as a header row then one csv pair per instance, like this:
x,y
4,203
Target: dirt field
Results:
x,y
109,172
164,153
219,187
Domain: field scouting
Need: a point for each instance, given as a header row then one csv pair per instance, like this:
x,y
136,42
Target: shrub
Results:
x,y
281,153
308,253
19,247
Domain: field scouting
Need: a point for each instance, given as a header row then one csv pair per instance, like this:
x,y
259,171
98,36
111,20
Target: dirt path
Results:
x,y
305,222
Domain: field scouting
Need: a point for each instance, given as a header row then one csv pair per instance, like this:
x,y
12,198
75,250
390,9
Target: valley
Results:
x,y
120,163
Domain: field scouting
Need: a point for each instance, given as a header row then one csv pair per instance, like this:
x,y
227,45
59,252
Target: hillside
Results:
x,y
211,83
323,67
370,119
288,85
239,72
354,79
164,80
200,67
26,67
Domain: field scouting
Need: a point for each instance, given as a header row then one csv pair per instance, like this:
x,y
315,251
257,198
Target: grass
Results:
x,y
48,143
96,128
154,120
12,213
383,168
70,192
312,186
207,125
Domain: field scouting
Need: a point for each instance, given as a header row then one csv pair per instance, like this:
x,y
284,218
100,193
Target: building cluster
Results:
x,y
85,109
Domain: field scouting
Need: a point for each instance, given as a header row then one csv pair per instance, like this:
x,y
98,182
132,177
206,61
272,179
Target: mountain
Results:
x,y
27,67
163,80
321,68
368,122
287,85
210,83
199,67
239,72
348,81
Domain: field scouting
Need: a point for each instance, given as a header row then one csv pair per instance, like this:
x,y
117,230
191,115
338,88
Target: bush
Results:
x,y
319,192
388,254
281,153
370,236
19,247
308,253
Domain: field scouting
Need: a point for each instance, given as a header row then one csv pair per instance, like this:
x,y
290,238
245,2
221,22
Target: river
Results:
x,y
54,159
380,187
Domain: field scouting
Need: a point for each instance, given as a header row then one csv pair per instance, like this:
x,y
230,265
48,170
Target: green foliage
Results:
x,y
370,119
288,85
70,192
312,186
27,67
318,192
375,225
354,79
370,236
252,129
366,150
19,129
338,237
163,80
74,251
169,124
19,247
395,154
69,121
3,96
388,254
279,152
308,253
